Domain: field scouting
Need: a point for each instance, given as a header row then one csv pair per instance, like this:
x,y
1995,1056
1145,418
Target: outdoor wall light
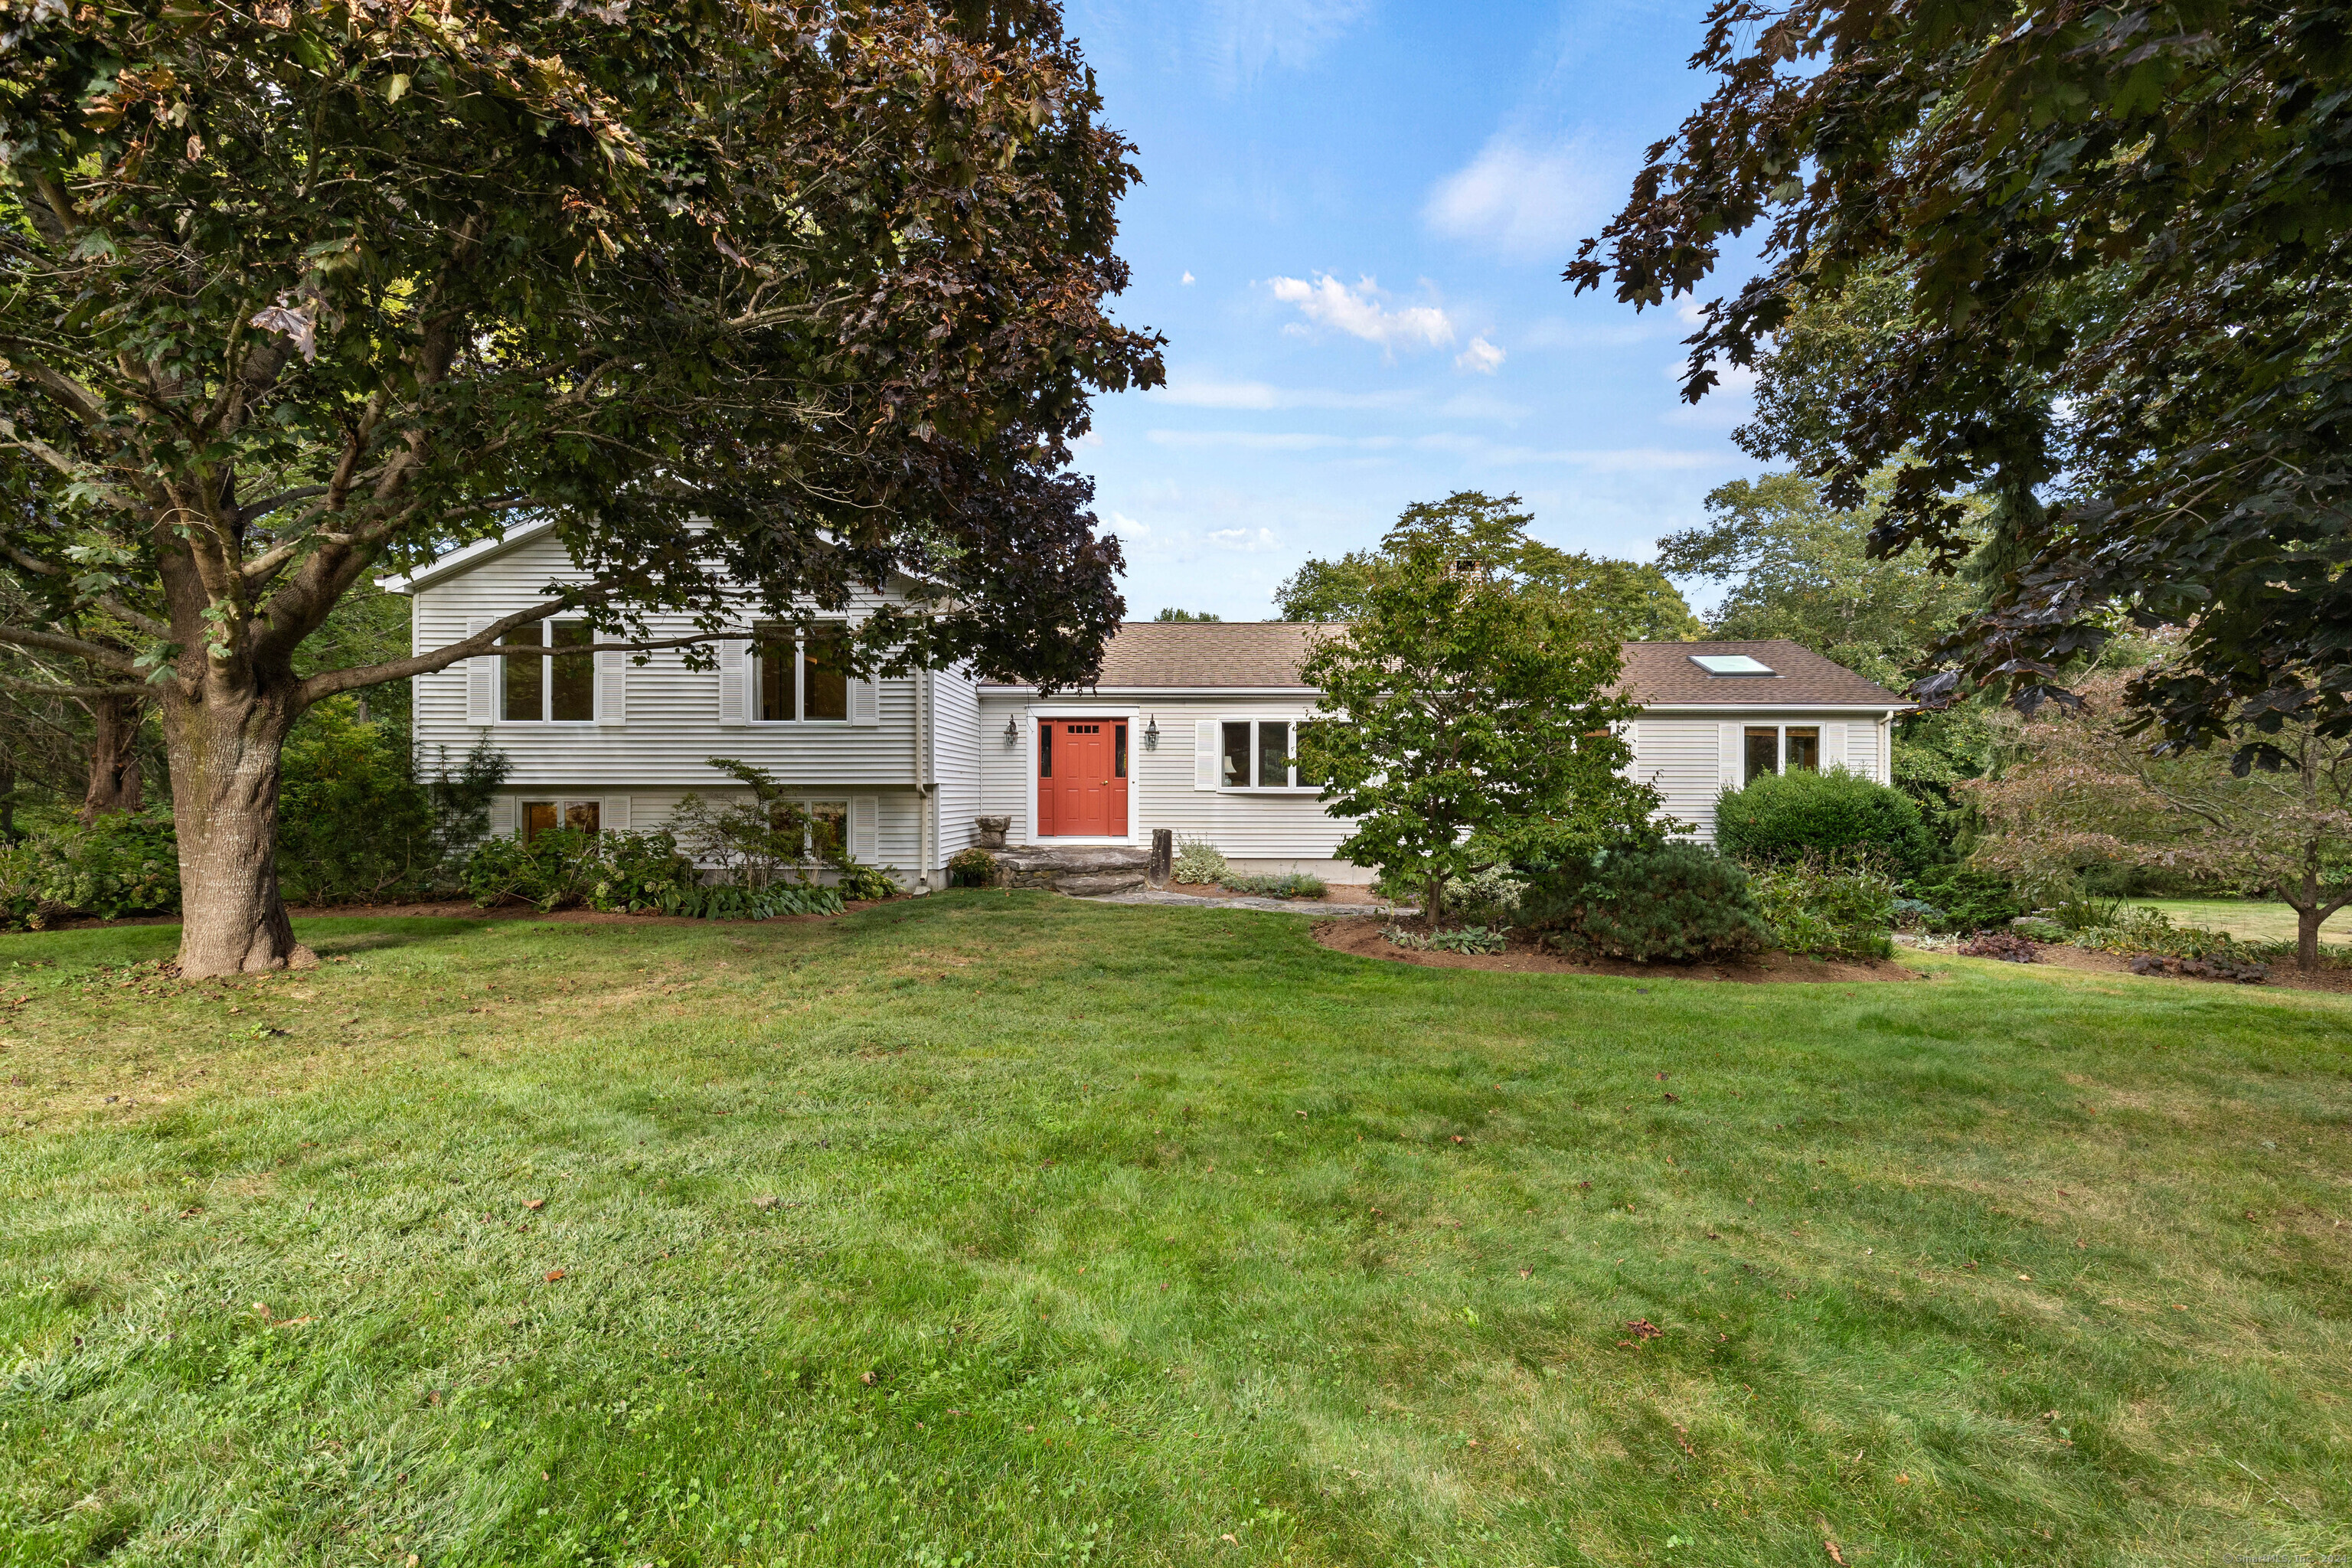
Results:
x,y
1151,733
1011,733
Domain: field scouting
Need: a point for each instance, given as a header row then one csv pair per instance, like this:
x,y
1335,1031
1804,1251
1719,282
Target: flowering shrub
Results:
x,y
1197,860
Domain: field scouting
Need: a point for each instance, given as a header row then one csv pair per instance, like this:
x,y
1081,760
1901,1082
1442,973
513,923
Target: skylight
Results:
x,y
1730,664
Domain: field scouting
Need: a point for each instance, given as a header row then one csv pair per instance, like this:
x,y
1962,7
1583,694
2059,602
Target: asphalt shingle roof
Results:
x,y
1265,655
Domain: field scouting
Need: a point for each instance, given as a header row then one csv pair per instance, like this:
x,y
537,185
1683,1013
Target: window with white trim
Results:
x,y
1256,754
802,678
1780,749
825,826
554,688
546,816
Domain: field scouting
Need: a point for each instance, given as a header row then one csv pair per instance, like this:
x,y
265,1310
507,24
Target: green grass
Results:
x,y
2247,918
997,1228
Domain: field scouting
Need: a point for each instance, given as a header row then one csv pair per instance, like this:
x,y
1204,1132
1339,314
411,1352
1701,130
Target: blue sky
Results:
x,y
1351,229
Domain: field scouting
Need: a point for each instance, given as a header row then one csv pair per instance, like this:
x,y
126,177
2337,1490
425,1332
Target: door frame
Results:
x,y
1131,717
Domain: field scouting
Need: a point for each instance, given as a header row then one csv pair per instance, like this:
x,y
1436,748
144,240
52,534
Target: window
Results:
x,y
1045,751
551,688
1731,664
825,825
546,816
1774,749
1256,757
802,677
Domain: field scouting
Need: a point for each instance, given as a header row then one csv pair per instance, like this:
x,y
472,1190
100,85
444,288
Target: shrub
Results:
x,y
1916,914
1465,938
730,903
1784,816
1816,905
125,863
1291,886
355,824
1487,898
637,873
1197,861
1672,903
1969,900
2007,946
2243,972
552,871
974,868
859,880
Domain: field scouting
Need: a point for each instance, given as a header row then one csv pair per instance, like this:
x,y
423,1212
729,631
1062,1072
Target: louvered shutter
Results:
x,y
502,817
1730,747
865,701
734,680
1204,754
612,687
1833,752
613,814
482,680
865,826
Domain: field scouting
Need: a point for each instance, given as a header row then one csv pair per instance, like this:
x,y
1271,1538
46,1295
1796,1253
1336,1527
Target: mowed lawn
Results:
x,y
996,1229
2249,917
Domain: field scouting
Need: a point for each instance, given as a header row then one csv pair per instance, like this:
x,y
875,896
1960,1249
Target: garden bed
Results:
x,y
2066,955
1366,938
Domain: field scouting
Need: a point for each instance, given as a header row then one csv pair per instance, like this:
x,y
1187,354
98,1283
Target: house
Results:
x,y
1188,726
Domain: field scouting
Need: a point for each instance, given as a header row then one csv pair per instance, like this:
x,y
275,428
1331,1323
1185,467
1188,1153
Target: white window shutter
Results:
x,y
612,687
482,680
502,817
1730,747
865,826
865,701
734,680
1833,751
613,814
1204,754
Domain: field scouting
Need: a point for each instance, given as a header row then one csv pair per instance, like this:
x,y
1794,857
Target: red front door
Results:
x,y
1082,778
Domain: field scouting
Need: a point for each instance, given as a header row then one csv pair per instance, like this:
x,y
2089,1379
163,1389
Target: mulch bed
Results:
x,y
2066,955
1364,938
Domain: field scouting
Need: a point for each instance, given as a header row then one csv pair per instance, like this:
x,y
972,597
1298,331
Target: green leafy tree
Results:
x,y
1186,616
295,294
2112,243
1632,597
1467,714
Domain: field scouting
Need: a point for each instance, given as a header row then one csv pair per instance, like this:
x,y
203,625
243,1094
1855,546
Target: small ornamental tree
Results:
x,y
761,304
2083,793
1468,716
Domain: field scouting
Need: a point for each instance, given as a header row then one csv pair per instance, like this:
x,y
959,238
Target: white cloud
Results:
x,y
1523,201
1357,312
1201,392
1243,539
1127,527
1730,380
1481,356
1266,440
1187,279
1239,38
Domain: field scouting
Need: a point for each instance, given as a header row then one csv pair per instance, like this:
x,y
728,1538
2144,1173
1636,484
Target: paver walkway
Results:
x,y
1274,906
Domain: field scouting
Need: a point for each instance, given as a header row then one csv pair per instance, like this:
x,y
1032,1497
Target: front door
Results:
x,y
1082,778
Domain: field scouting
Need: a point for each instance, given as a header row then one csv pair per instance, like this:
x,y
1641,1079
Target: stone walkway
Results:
x,y
1272,906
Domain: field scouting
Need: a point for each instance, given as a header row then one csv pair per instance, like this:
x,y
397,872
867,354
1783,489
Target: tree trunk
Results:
x,y
226,755
114,782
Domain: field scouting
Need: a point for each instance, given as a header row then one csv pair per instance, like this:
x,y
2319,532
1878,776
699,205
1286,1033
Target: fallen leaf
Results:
x,y
555,1274
866,1377
534,1202
1642,1329
1227,1538
1527,1273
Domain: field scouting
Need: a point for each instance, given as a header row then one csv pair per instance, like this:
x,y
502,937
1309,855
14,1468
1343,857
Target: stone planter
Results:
x,y
992,831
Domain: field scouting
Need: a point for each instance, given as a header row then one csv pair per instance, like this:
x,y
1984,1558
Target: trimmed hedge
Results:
x,y
1781,816
1676,903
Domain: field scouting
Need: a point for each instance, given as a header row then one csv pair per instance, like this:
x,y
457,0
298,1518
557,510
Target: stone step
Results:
x,y
1084,869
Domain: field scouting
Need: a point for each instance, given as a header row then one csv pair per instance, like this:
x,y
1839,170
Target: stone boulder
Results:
x,y
1080,870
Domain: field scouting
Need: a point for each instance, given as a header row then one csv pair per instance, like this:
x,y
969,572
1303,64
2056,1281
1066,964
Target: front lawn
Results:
x,y
2251,919
997,1228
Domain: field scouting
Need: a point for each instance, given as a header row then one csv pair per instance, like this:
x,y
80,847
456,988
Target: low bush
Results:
x,y
1819,906
125,863
357,825
1785,817
2144,932
1491,898
1465,938
1915,914
1966,899
2007,946
639,873
1197,861
1291,886
730,903
973,867
856,879
552,871
1677,903
631,873
2245,971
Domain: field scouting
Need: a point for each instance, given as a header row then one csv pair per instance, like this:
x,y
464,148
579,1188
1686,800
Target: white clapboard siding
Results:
x,y
1864,750
481,678
956,742
1682,760
670,714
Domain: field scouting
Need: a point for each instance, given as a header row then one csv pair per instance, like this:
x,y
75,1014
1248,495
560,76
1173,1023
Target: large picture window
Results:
x,y
1257,756
802,677
554,687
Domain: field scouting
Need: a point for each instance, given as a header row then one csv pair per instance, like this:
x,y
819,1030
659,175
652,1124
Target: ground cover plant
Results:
x,y
996,1227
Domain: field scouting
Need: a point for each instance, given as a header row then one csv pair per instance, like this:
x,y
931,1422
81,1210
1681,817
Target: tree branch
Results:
x,y
484,642
104,657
